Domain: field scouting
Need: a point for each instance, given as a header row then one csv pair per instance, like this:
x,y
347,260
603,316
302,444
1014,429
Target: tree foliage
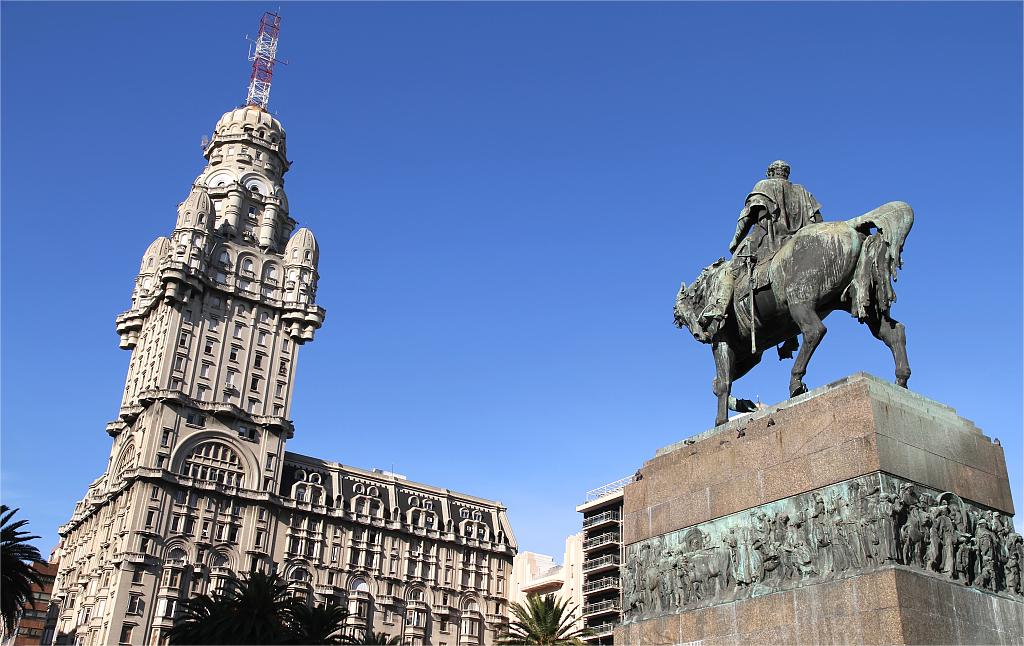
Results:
x,y
16,573
545,621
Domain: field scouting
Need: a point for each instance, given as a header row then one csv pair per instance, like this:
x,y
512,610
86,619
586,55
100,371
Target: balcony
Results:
x,y
604,518
604,539
607,583
602,630
602,607
610,562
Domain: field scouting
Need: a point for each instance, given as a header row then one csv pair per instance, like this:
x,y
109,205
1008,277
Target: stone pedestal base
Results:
x,y
892,606
859,512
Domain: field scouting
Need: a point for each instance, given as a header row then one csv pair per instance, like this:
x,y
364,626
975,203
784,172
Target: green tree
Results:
x,y
378,639
16,573
254,610
317,624
546,621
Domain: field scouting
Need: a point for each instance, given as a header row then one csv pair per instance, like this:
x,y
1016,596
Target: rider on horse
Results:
x,y
773,212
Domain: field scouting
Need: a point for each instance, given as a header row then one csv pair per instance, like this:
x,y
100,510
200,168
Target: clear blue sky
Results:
x,y
506,198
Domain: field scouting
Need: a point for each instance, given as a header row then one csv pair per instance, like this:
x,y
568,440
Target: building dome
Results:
x,y
154,254
302,249
196,212
250,118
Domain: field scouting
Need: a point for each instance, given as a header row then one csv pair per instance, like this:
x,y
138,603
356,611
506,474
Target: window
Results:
x,y
252,212
264,314
186,316
278,410
194,418
175,383
204,370
214,462
233,355
165,440
176,523
284,345
126,633
260,537
144,545
231,378
150,518
270,461
238,330
248,433
154,493
258,361
208,349
253,404
179,362
135,604
282,368
261,514
279,389
214,324
261,338
205,533
204,393
183,340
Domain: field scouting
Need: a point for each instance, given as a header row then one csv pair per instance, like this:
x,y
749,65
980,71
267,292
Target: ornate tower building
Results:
x,y
198,487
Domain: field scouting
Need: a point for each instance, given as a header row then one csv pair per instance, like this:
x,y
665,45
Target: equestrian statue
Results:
x,y
789,270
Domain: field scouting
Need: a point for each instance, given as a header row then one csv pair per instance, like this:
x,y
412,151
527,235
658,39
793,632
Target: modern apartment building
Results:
x,y
538,574
199,487
32,625
602,557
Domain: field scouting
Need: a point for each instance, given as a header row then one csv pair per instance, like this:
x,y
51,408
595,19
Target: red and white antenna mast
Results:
x,y
263,60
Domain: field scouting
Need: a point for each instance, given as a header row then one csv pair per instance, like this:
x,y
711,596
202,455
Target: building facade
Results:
x,y
33,623
602,559
534,573
198,487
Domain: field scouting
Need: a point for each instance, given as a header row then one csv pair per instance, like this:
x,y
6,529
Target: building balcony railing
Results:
x,y
603,518
601,607
602,629
610,488
603,539
607,583
602,563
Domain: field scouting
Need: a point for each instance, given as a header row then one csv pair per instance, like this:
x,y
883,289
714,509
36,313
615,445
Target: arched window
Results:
x,y
309,255
126,461
358,585
372,491
214,462
272,272
470,605
358,487
416,594
224,258
414,501
299,575
247,265
176,556
300,492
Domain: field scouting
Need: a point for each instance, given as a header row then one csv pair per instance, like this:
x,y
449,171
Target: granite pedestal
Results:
x,y
859,512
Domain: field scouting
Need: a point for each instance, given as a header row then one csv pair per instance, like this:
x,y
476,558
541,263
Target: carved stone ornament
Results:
x,y
835,532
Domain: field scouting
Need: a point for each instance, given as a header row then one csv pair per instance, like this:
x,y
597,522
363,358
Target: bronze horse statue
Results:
x,y
822,268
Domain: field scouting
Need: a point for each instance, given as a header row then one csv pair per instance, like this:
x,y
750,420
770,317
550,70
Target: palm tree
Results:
x,y
545,621
317,624
255,610
377,639
16,557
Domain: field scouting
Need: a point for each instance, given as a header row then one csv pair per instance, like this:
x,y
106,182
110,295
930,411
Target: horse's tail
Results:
x,y
871,292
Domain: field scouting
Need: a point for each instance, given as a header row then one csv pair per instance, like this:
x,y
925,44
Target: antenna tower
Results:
x,y
263,59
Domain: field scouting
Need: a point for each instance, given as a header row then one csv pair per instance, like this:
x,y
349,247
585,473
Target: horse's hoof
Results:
x,y
798,388
901,382
719,422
